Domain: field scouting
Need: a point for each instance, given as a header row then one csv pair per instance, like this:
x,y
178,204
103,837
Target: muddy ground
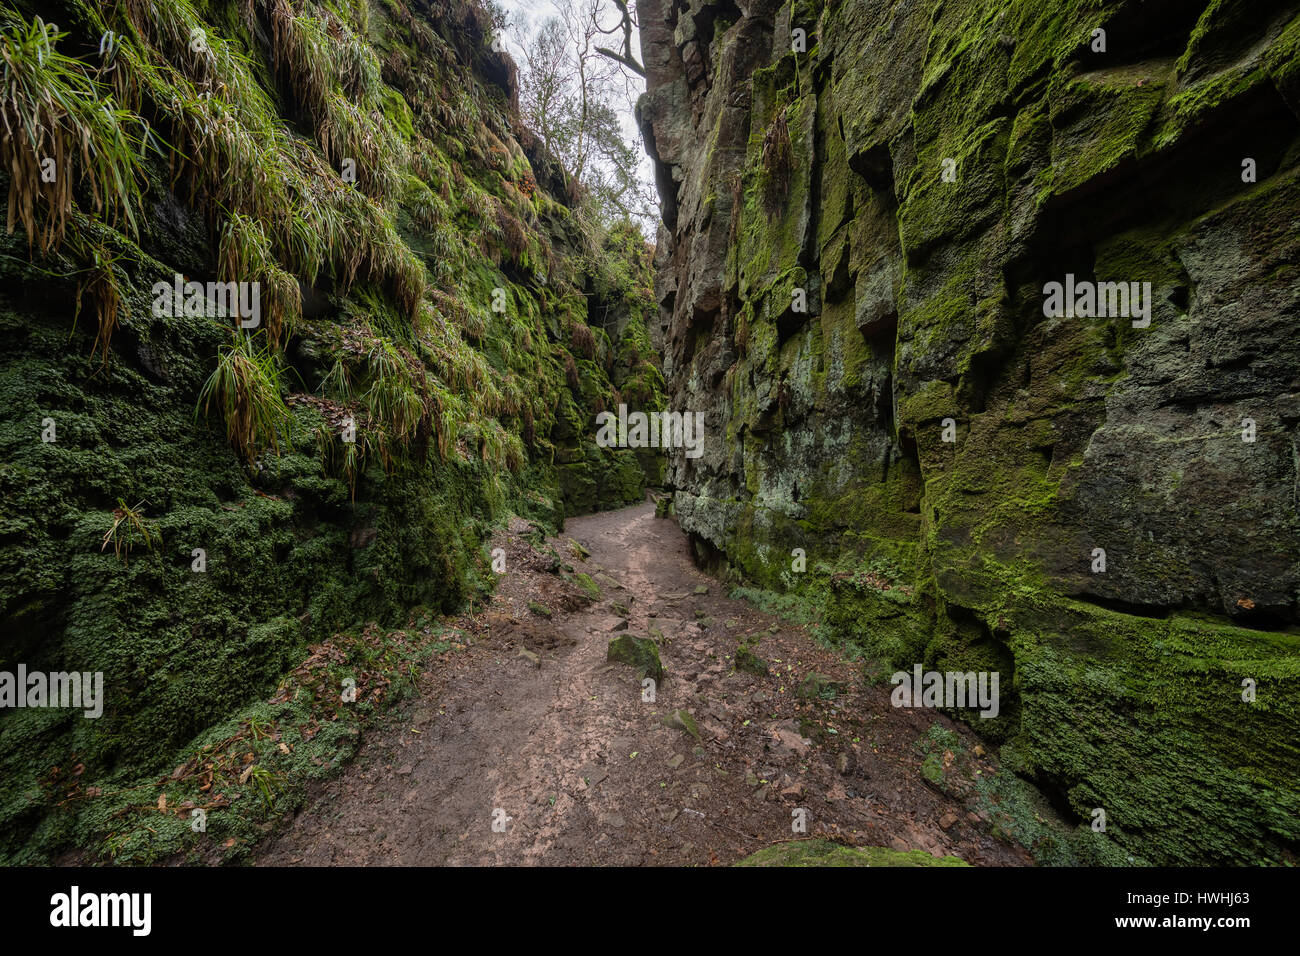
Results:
x,y
560,746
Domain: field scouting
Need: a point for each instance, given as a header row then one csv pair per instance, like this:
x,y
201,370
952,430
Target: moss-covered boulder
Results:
x,y
589,587
818,687
639,652
681,720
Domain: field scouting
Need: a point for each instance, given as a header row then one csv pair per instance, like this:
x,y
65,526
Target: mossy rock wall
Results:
x,y
898,433
442,293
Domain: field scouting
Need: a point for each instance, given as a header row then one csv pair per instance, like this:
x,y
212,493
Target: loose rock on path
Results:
x,y
532,727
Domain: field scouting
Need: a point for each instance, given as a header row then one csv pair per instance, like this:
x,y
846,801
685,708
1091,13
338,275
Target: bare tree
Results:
x,y
627,22
574,96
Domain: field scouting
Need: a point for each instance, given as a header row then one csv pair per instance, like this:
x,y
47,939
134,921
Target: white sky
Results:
x,y
531,14
527,17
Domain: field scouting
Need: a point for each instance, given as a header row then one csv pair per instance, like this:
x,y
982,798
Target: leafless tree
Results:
x,y
627,23
570,98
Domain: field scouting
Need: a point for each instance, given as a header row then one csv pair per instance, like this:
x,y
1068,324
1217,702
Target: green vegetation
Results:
x,y
245,389
338,462
920,463
61,127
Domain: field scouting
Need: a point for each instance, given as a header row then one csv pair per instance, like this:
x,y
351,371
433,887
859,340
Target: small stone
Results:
x,y
701,589
819,685
947,820
786,740
676,760
750,663
530,657
681,720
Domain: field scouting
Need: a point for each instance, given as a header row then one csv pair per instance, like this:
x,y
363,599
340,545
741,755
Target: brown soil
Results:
x,y
587,773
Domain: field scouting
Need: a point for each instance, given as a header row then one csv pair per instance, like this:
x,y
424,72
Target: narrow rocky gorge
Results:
x,y
320,349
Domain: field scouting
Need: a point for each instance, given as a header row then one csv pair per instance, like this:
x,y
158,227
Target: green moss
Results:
x,y
458,410
588,585
750,663
1099,125
933,209
880,614
641,653
1145,718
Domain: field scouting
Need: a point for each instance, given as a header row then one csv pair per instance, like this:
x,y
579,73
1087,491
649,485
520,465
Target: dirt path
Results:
x,y
586,772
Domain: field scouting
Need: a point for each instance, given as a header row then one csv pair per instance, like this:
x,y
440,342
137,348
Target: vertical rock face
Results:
x,y
865,204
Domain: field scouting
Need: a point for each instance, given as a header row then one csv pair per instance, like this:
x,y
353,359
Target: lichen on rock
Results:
x,y
903,439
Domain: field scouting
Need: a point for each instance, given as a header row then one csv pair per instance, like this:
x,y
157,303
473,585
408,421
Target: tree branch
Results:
x,y
626,61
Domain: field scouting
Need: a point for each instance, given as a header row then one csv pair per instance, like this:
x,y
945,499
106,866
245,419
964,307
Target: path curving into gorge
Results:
x,y
533,721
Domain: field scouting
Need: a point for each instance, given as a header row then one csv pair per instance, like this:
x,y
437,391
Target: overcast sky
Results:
x,y
526,18
530,14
